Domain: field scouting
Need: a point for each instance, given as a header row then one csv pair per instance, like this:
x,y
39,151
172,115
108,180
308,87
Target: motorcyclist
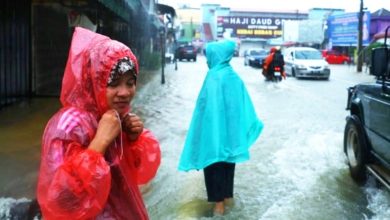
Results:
x,y
273,60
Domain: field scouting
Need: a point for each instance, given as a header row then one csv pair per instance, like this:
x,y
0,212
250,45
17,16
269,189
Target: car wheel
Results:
x,y
293,72
356,149
195,59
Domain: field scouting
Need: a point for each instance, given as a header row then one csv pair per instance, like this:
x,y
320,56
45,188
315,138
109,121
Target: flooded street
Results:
x,y
297,168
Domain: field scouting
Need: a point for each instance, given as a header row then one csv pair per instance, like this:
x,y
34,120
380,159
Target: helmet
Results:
x,y
272,50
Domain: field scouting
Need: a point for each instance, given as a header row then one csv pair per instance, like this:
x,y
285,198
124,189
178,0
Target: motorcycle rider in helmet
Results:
x,y
274,61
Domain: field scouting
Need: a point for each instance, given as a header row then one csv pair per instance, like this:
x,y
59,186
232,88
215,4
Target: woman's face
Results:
x,y
120,92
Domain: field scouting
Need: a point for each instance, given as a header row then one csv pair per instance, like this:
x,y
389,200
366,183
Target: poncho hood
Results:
x,y
219,53
91,58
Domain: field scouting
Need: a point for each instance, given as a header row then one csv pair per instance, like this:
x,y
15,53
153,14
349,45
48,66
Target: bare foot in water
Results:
x,y
219,208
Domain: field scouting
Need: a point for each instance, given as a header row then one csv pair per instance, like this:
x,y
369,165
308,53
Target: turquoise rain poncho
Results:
x,y
224,123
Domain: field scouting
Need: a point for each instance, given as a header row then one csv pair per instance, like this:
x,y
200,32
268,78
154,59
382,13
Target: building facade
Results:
x,y
35,36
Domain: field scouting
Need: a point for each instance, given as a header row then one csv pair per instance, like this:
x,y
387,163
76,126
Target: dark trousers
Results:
x,y
219,180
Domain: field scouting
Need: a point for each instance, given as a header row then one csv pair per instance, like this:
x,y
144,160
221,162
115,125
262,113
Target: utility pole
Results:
x,y
162,42
360,39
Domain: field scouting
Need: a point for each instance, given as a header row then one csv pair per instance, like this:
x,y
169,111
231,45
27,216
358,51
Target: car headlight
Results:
x,y
301,66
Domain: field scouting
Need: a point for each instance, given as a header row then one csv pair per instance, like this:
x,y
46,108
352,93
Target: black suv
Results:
x,y
187,52
367,130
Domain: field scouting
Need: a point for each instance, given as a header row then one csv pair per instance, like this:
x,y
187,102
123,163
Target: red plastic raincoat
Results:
x,y
77,183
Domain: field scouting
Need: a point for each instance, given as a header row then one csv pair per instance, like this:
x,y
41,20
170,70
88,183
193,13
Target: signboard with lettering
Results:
x,y
343,29
249,27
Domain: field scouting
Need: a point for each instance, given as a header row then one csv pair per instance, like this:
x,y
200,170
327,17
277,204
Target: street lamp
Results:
x,y
162,42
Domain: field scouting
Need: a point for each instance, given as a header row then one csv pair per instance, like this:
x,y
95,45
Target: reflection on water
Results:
x,y
21,127
194,209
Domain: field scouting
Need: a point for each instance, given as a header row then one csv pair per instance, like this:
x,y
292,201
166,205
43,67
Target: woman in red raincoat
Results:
x,y
94,151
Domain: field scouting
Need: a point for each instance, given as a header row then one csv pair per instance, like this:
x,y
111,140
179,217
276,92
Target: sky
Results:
x,y
284,5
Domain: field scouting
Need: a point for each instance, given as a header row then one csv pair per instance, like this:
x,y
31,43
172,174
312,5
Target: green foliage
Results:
x,y
374,45
369,48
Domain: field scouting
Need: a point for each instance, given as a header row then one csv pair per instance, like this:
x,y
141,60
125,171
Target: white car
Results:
x,y
305,62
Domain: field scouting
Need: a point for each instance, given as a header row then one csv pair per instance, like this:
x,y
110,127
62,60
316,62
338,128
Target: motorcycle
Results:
x,y
275,75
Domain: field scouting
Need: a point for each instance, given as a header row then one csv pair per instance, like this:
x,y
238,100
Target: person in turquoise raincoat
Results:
x,y
223,127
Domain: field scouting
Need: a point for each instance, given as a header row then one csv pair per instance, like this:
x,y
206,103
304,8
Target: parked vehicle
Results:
x,y
237,48
236,51
367,130
335,57
255,57
305,62
186,51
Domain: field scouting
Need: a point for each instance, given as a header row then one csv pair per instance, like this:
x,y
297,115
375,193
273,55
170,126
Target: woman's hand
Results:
x,y
108,129
132,125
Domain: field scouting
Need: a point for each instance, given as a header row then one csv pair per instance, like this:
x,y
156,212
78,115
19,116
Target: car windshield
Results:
x,y
258,52
308,55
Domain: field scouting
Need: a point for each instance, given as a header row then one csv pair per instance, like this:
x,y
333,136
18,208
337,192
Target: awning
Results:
x,y
156,22
122,8
165,9
289,43
275,41
382,35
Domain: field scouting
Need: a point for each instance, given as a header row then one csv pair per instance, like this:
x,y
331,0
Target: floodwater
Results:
x,y
297,168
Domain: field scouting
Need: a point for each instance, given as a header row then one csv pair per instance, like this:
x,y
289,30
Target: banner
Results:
x,y
249,27
343,29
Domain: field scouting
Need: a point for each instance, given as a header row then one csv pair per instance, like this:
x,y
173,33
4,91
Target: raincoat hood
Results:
x,y
91,58
219,53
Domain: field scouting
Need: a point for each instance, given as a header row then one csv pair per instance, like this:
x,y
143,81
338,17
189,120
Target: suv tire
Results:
x,y
356,149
